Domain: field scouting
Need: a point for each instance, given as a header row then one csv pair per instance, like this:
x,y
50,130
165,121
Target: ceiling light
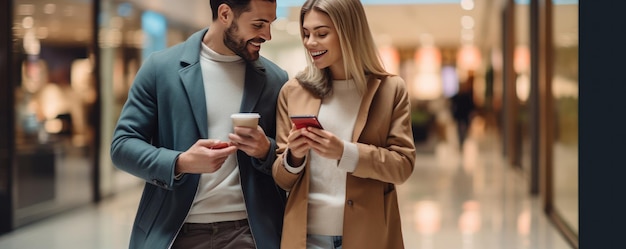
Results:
x,y
32,46
467,22
49,8
28,22
467,4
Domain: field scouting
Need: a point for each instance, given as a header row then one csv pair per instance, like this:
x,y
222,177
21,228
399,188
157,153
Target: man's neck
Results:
x,y
214,39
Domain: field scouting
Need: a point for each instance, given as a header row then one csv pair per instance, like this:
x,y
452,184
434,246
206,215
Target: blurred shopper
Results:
x,y
178,109
462,107
342,178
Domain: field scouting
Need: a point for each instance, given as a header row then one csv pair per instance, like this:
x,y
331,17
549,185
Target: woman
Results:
x,y
342,178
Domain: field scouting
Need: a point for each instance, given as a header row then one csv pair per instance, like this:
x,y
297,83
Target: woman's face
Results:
x,y
322,41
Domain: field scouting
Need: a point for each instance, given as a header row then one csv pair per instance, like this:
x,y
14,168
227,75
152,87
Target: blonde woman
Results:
x,y
341,179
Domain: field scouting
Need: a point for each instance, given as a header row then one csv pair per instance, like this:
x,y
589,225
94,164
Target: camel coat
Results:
x,y
386,150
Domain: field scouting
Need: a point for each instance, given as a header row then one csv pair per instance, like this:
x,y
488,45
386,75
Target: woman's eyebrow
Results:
x,y
318,27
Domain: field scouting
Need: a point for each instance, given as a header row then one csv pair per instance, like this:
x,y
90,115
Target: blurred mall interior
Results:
x,y
70,64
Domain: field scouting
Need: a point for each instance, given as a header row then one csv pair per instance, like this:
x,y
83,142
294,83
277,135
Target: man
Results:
x,y
462,105
197,194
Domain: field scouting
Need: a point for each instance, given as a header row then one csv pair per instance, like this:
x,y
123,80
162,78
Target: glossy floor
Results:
x,y
470,198
455,199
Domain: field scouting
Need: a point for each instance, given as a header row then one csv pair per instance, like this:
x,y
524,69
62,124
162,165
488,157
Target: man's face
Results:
x,y
247,32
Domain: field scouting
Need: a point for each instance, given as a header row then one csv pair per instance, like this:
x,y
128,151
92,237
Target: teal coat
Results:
x,y
164,115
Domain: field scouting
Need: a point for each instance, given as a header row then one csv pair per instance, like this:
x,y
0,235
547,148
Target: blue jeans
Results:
x,y
314,241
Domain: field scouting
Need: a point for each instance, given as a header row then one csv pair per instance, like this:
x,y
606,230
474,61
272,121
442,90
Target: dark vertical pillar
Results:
x,y
7,116
546,110
533,100
508,82
97,195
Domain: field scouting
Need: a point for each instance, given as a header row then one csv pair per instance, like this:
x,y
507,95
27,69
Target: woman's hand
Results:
x,y
323,142
297,145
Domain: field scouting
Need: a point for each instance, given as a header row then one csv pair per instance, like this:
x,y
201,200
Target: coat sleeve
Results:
x,y
285,179
131,148
390,156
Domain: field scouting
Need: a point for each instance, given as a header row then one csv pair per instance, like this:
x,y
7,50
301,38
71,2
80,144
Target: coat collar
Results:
x,y
372,86
190,74
373,83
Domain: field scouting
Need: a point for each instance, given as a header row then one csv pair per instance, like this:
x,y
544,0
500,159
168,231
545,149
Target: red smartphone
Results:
x,y
302,121
220,145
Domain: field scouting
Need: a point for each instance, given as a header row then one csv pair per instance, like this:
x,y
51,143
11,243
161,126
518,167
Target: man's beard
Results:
x,y
240,48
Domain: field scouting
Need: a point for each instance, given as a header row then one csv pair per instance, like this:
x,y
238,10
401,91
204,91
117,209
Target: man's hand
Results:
x,y
251,141
205,156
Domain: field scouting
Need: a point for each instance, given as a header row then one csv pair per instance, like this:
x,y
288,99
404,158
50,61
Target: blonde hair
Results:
x,y
360,55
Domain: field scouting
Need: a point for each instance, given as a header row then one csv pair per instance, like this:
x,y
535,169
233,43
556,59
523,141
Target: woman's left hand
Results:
x,y
324,143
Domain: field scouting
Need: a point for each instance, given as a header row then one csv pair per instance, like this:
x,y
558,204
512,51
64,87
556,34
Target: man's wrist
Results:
x,y
177,171
265,155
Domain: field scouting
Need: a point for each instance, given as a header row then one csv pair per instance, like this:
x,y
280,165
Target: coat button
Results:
x,y
350,202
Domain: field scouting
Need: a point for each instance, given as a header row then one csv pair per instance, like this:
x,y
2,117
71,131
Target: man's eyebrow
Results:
x,y
264,20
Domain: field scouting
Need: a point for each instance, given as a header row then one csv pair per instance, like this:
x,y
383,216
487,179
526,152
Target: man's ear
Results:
x,y
225,14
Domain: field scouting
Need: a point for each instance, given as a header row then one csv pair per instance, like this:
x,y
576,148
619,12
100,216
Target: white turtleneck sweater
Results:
x,y
327,191
219,196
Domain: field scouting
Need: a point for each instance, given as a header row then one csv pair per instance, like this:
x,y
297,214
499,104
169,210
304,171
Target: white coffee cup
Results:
x,y
245,119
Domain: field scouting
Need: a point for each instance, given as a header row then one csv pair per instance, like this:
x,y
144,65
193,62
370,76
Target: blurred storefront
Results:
x,y
563,206
540,111
69,71
54,109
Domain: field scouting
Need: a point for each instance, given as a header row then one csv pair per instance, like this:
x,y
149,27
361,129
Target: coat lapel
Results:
x,y
253,87
191,77
361,119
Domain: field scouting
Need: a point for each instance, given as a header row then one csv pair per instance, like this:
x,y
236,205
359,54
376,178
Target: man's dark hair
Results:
x,y
238,6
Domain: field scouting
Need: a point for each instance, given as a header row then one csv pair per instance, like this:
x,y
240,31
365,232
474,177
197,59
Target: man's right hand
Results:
x,y
205,156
